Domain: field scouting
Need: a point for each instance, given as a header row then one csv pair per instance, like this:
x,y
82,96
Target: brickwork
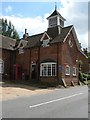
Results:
x,y
62,53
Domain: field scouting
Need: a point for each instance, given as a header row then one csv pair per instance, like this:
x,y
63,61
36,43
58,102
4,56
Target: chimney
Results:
x,y
85,51
25,31
25,35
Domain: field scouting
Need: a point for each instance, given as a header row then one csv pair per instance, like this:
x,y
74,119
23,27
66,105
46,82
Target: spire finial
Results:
x,y
55,6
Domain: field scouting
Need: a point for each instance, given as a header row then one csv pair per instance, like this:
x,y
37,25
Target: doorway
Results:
x,y
33,73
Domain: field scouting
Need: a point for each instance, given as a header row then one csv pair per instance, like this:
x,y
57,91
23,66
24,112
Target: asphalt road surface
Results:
x,y
60,103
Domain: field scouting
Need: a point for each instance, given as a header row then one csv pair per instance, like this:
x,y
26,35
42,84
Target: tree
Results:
x,y
88,56
0,26
9,30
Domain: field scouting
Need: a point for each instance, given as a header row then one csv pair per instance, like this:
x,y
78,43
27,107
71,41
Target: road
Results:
x,y
60,103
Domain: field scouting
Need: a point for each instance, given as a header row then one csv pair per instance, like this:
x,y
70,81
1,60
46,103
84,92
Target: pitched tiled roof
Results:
x,y
62,35
6,42
34,40
53,31
56,13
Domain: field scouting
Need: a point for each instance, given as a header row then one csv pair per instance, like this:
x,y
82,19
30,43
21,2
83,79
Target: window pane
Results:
x,y
49,69
61,23
45,43
53,69
1,68
74,71
44,71
67,70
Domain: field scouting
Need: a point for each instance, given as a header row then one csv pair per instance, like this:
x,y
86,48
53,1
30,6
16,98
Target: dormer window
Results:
x,y
45,40
45,43
21,46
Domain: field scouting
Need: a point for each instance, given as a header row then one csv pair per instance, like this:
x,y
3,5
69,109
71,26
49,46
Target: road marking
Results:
x,y
44,103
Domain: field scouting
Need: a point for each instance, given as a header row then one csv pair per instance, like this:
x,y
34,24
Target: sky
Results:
x,y
32,16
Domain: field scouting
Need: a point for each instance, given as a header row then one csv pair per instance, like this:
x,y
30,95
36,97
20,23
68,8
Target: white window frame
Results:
x,y
1,67
70,43
46,65
46,43
74,72
51,24
67,66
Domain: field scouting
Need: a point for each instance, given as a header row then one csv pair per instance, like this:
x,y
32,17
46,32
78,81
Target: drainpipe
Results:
x,y
38,77
10,65
30,65
57,62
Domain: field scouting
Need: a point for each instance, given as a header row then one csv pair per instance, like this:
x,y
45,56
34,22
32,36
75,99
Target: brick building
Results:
x,y
51,56
6,55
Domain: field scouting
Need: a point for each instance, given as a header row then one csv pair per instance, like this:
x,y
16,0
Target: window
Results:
x,y
74,71
61,23
45,43
48,69
53,69
53,21
70,43
1,68
67,70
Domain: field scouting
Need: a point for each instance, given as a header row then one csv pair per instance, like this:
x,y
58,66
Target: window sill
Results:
x,y
47,76
67,74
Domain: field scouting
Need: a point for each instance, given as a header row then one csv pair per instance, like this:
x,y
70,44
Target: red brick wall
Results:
x,y
6,57
66,56
85,63
48,52
23,60
1,53
69,57
34,55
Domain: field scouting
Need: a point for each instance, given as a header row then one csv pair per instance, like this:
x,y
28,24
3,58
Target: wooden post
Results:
x,y
57,63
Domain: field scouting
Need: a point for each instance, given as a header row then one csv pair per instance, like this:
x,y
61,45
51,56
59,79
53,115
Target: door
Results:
x,y
33,74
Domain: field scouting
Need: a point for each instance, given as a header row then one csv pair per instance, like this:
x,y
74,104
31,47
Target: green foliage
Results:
x,y
88,82
8,29
80,76
84,76
89,77
88,56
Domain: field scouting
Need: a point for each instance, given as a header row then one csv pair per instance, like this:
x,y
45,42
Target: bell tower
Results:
x,y
55,20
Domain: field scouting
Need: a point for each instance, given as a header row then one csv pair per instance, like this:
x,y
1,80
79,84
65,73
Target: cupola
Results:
x,y
55,19
55,23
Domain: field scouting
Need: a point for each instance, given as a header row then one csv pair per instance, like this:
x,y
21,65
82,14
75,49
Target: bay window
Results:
x,y
48,69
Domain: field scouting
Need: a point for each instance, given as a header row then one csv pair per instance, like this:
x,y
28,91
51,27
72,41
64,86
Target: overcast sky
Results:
x,y
32,16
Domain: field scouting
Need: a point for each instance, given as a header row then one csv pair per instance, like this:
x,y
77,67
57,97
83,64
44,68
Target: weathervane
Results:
x,y
55,6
